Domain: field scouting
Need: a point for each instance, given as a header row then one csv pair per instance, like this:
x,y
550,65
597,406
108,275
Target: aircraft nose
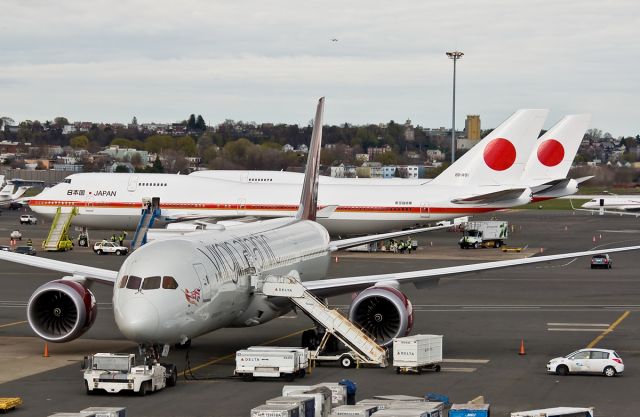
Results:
x,y
137,319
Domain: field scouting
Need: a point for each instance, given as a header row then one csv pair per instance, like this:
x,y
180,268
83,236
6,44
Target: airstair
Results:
x,y
147,218
363,347
58,237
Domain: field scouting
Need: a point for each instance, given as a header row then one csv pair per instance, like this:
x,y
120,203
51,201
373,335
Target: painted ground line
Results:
x,y
580,324
609,330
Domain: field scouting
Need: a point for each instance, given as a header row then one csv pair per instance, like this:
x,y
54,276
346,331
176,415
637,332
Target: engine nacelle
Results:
x,y
61,310
384,312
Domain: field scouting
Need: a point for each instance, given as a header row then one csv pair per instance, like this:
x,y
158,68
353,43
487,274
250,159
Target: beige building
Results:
x,y
472,127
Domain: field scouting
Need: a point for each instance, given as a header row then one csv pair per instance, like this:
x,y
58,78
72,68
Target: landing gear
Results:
x,y
152,355
183,345
310,339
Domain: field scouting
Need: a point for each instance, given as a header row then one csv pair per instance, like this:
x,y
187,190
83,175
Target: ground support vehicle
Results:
x,y
109,247
115,372
489,233
593,361
7,404
28,219
601,261
417,353
270,362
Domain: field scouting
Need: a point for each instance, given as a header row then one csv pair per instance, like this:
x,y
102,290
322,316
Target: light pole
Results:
x,y
455,55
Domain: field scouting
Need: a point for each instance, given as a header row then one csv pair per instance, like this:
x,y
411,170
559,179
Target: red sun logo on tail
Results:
x,y
550,152
499,154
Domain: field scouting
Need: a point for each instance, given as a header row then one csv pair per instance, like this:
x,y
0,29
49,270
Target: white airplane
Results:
x,y
11,192
622,205
473,184
173,290
545,172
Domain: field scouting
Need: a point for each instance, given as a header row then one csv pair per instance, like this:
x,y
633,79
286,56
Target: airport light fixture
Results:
x,y
455,55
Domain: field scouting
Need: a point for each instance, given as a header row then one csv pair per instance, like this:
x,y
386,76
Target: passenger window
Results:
x,y
151,283
581,355
134,282
599,355
169,283
123,281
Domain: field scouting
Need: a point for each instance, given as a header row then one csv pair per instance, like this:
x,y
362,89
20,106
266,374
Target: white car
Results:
x,y
592,361
109,247
28,219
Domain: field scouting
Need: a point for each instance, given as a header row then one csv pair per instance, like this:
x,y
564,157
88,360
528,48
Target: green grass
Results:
x,y
556,204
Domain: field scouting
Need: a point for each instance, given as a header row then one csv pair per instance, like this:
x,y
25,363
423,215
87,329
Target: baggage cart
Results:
x,y
10,403
275,410
469,410
414,354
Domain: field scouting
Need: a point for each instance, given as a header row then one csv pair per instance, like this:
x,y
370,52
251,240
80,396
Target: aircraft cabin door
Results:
x,y
133,183
242,206
89,203
204,281
424,210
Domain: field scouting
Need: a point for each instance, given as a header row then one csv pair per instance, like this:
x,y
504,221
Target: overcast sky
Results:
x,y
269,61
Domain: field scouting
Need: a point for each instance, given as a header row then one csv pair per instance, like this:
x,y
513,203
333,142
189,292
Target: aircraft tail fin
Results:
x,y
309,198
555,150
19,192
500,157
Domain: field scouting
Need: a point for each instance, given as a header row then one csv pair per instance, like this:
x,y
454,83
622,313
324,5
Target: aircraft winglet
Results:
x,y
309,198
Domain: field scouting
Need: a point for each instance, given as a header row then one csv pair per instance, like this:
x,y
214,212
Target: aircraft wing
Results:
x,y
337,286
356,241
494,197
633,212
104,276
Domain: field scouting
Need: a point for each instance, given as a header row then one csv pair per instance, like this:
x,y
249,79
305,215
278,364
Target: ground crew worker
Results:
x,y
408,245
29,242
113,237
121,237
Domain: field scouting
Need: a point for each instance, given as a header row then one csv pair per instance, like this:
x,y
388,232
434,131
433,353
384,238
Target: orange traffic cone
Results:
x,y
522,352
46,350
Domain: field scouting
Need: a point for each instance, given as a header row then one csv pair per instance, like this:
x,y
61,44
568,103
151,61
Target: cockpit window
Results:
x,y
123,281
151,283
169,283
134,282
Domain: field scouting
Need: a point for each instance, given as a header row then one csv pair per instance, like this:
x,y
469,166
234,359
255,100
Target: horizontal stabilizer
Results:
x,y
326,212
490,198
583,179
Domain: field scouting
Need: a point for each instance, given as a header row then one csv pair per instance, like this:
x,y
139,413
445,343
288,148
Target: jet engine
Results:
x,y
384,312
61,310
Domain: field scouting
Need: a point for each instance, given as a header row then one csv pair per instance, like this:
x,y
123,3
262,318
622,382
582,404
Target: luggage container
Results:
x,y
373,402
71,415
407,398
433,405
274,363
338,393
556,412
469,410
275,410
306,405
408,412
321,395
417,353
105,411
302,353
354,410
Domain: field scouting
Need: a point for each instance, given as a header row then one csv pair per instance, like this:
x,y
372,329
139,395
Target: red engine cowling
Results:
x,y
61,310
384,312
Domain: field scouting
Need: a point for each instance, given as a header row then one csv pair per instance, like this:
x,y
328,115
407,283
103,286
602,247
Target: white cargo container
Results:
x,y
338,393
379,403
275,410
306,405
556,412
321,395
436,405
354,410
303,353
105,411
408,412
417,353
272,363
400,397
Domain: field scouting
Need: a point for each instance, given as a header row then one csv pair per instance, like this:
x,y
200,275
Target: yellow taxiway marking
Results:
x,y
231,355
12,324
608,329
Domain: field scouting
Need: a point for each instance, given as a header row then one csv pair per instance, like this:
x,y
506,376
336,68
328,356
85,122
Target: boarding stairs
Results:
x,y
363,347
58,237
147,218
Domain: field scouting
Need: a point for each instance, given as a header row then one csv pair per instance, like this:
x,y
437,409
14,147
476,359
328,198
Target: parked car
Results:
x,y
25,250
5,248
28,219
601,261
109,247
16,235
593,361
